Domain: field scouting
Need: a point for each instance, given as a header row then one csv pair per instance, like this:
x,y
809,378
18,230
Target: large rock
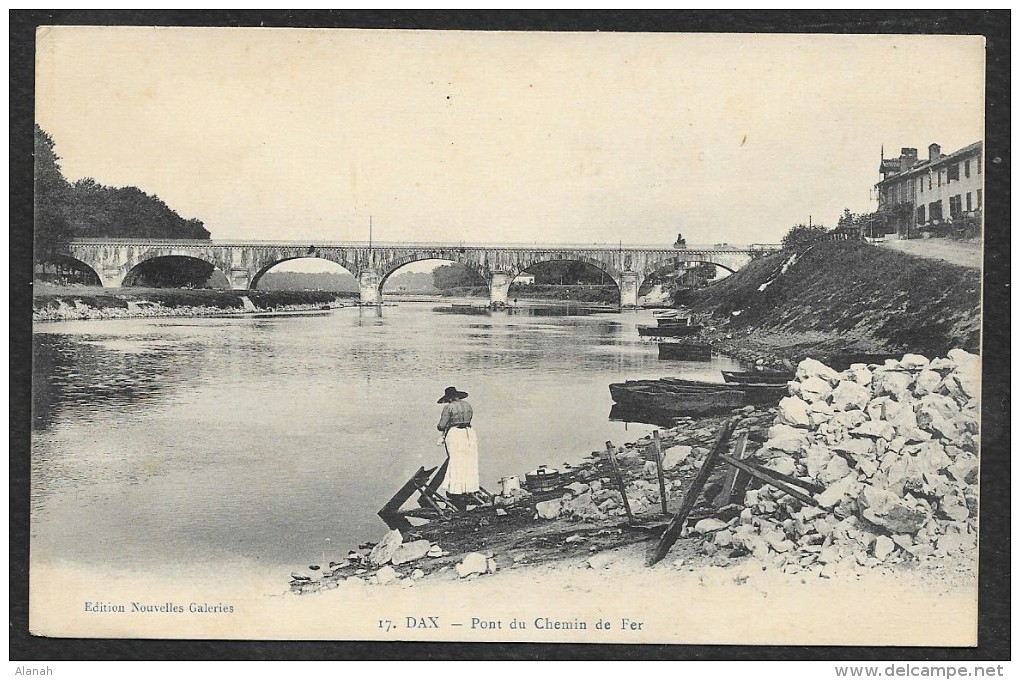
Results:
x,y
708,524
894,383
577,488
549,509
473,563
837,491
849,395
966,363
816,458
675,455
782,464
914,362
793,411
815,389
888,510
836,469
883,547
409,552
582,507
926,382
811,368
385,575
384,549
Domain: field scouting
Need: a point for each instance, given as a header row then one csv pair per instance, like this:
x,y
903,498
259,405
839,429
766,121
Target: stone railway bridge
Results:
x,y
115,261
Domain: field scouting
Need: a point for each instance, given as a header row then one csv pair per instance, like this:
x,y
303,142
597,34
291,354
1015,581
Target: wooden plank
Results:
x,y
611,454
725,496
672,532
793,481
657,443
410,486
437,479
770,477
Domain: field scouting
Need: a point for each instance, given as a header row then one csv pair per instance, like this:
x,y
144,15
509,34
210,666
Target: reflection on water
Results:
x,y
255,442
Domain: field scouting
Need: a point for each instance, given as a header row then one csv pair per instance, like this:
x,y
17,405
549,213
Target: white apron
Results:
x,y
462,475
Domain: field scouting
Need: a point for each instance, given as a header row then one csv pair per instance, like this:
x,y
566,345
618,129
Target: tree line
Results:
x,y
86,208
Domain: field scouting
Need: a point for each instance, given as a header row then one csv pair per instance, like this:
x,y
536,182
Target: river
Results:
x,y
269,442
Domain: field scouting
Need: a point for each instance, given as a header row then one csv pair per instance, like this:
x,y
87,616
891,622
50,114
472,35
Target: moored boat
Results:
x,y
685,351
669,330
663,397
772,377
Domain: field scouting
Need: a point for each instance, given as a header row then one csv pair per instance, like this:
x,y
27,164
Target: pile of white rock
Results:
x,y
895,448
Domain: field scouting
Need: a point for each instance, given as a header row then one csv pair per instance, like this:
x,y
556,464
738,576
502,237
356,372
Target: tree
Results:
x,y
52,193
803,235
455,276
90,209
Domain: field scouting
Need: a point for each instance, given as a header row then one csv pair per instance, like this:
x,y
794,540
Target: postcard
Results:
x,y
498,336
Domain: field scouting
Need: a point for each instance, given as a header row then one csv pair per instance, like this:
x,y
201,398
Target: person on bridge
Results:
x,y
461,445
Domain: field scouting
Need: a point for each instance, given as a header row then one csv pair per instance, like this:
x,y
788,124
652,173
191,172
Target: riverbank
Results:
x,y
841,298
892,522
63,303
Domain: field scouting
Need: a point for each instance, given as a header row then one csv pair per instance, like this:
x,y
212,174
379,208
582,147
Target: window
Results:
x,y
935,211
929,180
920,214
955,207
940,178
953,172
920,184
979,165
979,197
966,168
969,208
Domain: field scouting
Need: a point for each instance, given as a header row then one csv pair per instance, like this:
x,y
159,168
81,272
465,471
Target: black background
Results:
x,y
994,595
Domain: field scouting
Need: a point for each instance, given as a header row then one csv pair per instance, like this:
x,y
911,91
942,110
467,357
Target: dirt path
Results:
x,y
962,253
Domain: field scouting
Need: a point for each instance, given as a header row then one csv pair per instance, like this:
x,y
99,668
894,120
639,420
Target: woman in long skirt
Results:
x,y
461,443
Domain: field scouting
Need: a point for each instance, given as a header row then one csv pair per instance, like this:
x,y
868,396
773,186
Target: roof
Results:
x,y
927,166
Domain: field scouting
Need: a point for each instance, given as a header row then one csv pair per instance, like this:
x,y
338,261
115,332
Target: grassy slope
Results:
x,y
857,295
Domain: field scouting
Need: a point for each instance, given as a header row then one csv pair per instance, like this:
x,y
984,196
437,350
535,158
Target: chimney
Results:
x,y
908,158
934,152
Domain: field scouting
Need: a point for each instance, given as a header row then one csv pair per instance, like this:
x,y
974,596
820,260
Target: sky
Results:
x,y
306,134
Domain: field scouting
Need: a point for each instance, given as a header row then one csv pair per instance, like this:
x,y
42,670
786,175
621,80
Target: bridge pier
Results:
x,y
499,288
370,284
629,283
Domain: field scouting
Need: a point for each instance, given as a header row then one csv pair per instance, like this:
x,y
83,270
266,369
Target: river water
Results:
x,y
268,442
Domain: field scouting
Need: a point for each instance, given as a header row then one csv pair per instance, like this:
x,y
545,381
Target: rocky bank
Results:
x,y
892,448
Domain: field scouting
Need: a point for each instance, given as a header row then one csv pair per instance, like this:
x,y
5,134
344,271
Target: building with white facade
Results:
x,y
942,195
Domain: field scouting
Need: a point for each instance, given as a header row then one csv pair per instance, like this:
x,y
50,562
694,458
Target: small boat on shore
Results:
x,y
665,398
685,351
771,377
669,330
681,396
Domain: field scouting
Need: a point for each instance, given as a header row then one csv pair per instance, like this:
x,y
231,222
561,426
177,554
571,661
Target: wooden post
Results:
x,y
611,453
730,486
662,475
672,532
772,477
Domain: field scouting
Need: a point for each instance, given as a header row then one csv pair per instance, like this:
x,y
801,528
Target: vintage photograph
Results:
x,y
507,336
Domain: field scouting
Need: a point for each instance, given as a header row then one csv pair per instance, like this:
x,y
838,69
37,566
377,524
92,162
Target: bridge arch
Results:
x,y
175,271
311,255
391,266
601,265
675,262
60,269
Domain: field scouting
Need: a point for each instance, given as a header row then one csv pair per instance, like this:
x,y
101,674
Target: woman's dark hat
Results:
x,y
451,394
